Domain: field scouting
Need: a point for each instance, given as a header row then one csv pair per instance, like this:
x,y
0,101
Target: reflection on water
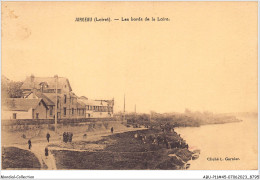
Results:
x,y
232,140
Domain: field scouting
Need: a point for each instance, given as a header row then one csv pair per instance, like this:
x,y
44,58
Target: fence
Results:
x,y
11,122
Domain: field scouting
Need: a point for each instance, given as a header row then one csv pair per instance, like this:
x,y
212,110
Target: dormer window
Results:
x,y
43,85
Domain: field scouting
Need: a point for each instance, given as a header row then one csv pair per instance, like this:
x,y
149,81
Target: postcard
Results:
x,y
129,85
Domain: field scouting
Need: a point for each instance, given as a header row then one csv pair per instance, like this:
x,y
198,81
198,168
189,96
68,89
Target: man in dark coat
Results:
x,y
112,129
29,143
48,137
46,152
64,136
70,136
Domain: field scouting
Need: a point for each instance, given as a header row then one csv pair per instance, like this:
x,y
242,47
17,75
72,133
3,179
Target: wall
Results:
x,y
41,109
48,112
19,114
71,102
81,113
100,114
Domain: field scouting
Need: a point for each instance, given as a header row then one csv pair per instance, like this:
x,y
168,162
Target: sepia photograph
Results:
x,y
129,85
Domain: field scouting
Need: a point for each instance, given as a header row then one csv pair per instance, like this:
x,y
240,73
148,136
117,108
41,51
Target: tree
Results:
x,y
11,89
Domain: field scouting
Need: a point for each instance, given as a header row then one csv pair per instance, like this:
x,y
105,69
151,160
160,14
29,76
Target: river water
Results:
x,y
233,140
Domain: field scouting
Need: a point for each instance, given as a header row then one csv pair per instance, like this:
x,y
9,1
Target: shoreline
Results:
x,y
136,156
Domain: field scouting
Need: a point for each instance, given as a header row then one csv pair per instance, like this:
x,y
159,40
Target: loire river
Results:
x,y
232,140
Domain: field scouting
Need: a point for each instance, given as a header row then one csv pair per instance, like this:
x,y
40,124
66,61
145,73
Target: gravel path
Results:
x,y
39,145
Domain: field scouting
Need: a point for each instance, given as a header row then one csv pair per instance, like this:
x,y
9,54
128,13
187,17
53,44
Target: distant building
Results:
x,y
98,108
19,108
81,110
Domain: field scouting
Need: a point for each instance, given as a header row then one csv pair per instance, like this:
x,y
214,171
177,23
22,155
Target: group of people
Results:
x,y
67,137
47,137
46,150
161,140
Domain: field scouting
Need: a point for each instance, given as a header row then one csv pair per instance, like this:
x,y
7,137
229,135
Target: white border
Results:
x,y
131,174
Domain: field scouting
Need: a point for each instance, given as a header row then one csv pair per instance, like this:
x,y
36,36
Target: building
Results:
x,y
50,104
98,108
66,99
20,108
81,109
69,106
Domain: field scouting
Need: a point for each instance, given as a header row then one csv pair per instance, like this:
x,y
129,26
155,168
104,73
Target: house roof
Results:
x,y
93,102
72,94
52,96
80,104
47,100
34,82
83,97
21,104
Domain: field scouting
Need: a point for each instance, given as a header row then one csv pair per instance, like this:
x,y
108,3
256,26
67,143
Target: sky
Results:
x,y
203,59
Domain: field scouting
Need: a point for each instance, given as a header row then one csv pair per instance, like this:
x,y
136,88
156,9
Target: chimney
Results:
x,y
32,81
56,76
32,78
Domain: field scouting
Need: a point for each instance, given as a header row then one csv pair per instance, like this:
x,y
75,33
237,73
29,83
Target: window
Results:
x,y
37,115
33,113
51,110
64,111
14,115
50,91
42,87
72,111
65,99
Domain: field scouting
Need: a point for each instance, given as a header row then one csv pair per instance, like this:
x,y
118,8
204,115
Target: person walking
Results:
x,y
48,137
112,129
64,136
29,143
46,152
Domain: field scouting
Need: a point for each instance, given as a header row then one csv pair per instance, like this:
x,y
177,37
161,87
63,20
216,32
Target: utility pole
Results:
x,y
124,108
135,115
56,104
